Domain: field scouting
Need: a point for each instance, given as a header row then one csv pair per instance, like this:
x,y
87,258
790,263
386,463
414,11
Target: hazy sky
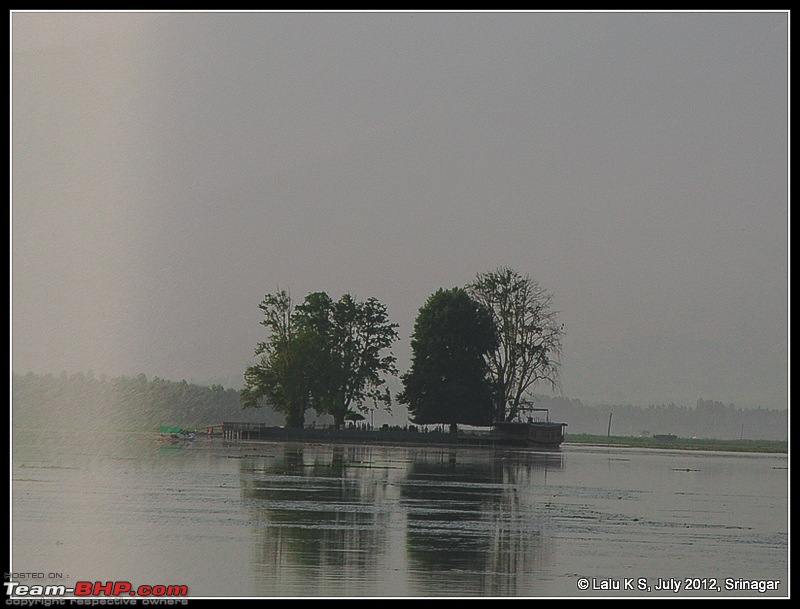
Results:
x,y
170,169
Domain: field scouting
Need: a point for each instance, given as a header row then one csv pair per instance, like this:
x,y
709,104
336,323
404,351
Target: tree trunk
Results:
x,y
295,419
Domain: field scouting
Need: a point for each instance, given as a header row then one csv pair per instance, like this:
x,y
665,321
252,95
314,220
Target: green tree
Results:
x,y
350,343
283,374
529,343
449,378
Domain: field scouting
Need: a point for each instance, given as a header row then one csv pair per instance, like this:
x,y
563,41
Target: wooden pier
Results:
x,y
238,431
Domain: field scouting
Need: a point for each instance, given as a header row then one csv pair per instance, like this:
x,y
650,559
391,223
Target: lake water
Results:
x,y
289,520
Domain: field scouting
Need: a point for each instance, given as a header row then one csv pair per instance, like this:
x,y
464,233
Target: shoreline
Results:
x,y
477,440
396,437
676,443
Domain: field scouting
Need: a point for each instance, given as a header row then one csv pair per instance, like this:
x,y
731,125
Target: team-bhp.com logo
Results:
x,y
84,588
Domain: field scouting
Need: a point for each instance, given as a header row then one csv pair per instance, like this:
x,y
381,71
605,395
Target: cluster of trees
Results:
x,y
477,352
322,354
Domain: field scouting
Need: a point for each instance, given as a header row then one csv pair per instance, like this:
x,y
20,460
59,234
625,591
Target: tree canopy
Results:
x,y
351,353
449,378
528,350
282,374
321,354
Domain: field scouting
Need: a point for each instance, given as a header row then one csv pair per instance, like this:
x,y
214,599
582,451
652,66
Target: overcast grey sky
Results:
x,y
169,169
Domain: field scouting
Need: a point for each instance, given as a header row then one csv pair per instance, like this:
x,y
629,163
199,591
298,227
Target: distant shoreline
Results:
x,y
676,443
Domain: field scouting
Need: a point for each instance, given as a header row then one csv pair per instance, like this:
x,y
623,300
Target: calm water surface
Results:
x,y
272,519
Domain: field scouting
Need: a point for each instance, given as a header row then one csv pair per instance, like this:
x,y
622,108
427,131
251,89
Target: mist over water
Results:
x,y
275,519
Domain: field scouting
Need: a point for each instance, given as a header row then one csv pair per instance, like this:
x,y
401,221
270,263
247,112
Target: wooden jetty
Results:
x,y
497,437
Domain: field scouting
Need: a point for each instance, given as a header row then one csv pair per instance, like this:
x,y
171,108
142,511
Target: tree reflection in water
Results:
x,y
338,520
316,514
472,529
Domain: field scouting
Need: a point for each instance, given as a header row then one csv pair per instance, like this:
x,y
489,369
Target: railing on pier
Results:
x,y
242,431
260,431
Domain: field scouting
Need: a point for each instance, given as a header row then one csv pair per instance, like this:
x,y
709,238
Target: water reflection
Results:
x,y
362,520
271,519
317,511
471,528
445,501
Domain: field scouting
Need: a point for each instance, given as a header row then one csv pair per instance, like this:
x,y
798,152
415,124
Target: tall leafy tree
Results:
x,y
529,344
321,354
449,379
352,342
281,377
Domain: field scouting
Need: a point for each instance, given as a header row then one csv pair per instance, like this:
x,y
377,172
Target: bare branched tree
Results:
x,y
529,348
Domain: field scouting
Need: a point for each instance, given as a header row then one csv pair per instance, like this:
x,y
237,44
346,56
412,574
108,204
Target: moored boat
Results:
x,y
532,433
173,435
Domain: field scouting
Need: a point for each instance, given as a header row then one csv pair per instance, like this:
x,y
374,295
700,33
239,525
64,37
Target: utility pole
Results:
x,y
610,414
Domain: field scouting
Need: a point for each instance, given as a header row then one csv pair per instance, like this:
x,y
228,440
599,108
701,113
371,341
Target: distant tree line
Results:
x,y
706,419
84,401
